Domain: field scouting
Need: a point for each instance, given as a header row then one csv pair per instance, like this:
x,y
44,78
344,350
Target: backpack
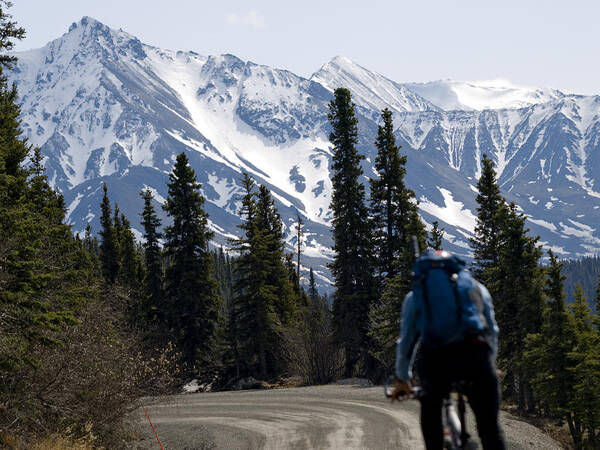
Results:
x,y
443,288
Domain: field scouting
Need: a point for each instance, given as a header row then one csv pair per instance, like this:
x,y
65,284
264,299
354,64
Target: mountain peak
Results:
x,y
341,60
339,63
369,89
90,24
91,35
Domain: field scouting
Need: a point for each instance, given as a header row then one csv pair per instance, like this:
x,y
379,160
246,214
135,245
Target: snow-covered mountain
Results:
x,y
479,95
105,107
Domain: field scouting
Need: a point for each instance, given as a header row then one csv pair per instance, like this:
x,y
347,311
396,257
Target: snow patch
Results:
x,y
542,223
453,212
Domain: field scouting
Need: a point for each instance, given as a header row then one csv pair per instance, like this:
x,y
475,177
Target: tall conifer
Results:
x,y
585,401
548,352
392,204
191,289
313,293
396,219
154,309
269,229
485,242
516,282
130,259
352,266
109,241
44,273
255,319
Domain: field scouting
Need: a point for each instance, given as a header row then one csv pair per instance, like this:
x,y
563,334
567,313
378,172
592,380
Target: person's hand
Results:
x,y
401,389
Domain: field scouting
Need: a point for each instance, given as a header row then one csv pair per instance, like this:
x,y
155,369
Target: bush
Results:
x,y
310,349
87,385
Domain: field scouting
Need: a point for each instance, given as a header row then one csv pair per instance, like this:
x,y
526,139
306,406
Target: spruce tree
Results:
x,y
44,273
485,242
395,216
154,309
436,236
352,266
191,289
585,401
129,257
596,319
392,205
548,352
254,323
117,224
313,293
516,282
109,241
269,230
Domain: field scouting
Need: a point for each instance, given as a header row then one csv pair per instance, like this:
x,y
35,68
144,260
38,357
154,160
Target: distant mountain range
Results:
x,y
104,107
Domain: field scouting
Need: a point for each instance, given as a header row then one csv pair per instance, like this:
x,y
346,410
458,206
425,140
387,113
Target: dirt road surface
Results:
x,y
322,417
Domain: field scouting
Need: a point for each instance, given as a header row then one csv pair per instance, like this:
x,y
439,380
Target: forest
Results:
x,y
89,324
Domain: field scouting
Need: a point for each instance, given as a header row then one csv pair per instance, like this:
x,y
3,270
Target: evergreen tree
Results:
x,y
191,289
385,316
585,401
584,271
596,319
516,283
395,215
129,257
269,234
352,266
393,207
485,243
548,352
90,243
109,244
154,294
118,225
223,273
313,293
44,272
436,236
254,324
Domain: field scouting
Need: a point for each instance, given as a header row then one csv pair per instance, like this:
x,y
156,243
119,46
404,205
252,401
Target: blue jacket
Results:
x,y
410,334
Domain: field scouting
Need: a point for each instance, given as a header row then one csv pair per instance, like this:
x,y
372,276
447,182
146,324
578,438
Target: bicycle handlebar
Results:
x,y
388,389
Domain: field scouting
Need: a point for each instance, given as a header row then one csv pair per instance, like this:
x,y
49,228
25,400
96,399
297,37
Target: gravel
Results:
x,y
344,416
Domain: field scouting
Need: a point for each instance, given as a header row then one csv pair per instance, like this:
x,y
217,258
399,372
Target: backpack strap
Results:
x,y
453,279
426,297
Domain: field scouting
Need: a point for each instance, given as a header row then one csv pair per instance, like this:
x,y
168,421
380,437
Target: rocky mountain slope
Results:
x,y
105,107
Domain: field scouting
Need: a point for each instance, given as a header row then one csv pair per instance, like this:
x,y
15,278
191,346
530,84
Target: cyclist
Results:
x,y
470,359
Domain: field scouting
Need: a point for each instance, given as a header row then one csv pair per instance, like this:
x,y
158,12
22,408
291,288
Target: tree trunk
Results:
x,y
575,433
531,406
521,390
263,363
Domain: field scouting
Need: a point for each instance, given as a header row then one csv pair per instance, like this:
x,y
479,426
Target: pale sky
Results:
x,y
551,43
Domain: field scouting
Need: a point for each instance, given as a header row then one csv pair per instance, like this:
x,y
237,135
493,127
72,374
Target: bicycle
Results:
x,y
455,430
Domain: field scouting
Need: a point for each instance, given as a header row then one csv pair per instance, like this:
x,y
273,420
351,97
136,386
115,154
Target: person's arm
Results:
x,y
488,313
407,342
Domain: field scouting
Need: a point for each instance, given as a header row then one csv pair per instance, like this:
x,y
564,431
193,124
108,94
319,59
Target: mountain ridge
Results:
x,y
103,106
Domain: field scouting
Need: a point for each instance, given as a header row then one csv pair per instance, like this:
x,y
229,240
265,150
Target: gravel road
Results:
x,y
322,417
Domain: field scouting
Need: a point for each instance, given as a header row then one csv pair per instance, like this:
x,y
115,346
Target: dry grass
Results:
x,y
53,442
